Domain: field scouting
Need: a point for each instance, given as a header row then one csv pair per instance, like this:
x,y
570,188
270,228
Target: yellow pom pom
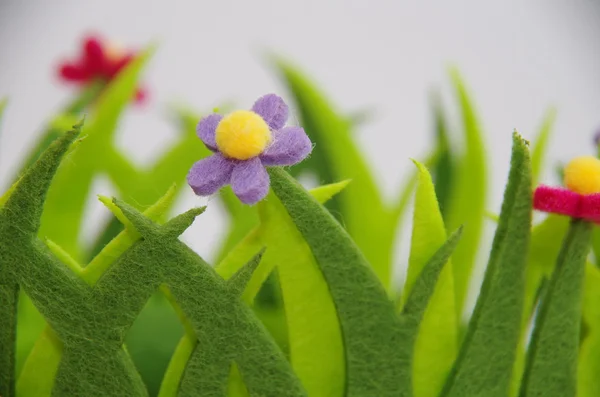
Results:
x,y
582,175
242,135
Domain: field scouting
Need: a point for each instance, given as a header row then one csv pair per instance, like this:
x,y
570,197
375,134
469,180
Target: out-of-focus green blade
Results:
x,y
467,203
337,157
540,145
66,200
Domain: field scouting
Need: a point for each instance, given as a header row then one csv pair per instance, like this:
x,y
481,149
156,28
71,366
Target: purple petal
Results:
x,y
210,174
272,109
206,130
290,145
250,181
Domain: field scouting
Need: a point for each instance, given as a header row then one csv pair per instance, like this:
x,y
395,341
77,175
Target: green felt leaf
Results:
x,y
551,368
367,317
234,335
437,342
544,247
466,205
66,199
485,362
540,146
412,326
337,157
588,382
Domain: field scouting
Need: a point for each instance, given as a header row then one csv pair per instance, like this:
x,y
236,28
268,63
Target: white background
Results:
x,y
518,58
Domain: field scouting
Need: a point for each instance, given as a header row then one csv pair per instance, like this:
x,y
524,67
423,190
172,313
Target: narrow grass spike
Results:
x,y
485,362
238,282
551,369
414,309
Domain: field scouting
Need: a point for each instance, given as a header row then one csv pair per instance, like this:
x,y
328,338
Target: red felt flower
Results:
x,y
98,61
581,198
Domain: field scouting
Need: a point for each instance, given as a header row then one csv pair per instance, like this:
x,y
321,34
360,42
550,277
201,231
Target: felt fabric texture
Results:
x,y
367,317
288,146
415,308
210,174
273,110
566,202
206,130
227,331
92,322
436,345
551,369
485,362
316,353
242,135
582,175
557,200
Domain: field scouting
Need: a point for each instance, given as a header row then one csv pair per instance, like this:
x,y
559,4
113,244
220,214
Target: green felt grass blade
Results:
x,y
66,200
551,368
47,351
437,342
544,247
588,382
234,335
485,362
466,205
307,301
413,325
540,146
337,157
367,317
444,167
3,103
245,250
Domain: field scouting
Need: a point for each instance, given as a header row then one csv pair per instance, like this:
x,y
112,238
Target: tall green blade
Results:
x,y
546,238
437,341
588,381
485,362
367,317
551,369
411,319
467,202
337,157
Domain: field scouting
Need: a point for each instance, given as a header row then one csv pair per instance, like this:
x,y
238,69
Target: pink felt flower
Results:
x,y
581,198
244,143
563,201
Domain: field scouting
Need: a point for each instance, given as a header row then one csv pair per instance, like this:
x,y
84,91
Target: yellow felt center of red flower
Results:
x,y
114,51
242,134
582,175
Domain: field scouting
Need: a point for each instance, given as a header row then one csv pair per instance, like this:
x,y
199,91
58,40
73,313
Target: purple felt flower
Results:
x,y
244,143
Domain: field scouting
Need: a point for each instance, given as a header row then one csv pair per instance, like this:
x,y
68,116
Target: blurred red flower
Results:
x,y
99,60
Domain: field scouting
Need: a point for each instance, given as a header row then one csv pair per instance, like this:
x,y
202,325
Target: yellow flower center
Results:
x,y
242,134
114,50
582,175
